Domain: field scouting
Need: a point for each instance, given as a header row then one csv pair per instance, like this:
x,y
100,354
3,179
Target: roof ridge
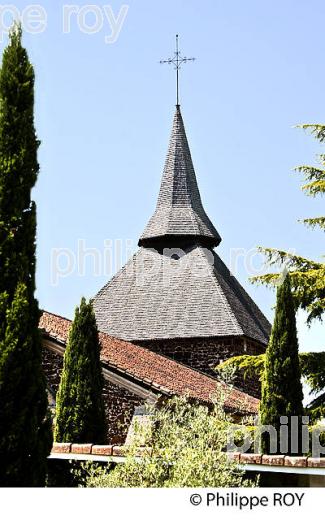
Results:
x,y
43,311
228,308
117,274
151,367
246,301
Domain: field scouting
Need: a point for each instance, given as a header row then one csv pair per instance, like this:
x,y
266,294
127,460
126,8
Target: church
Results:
x,y
171,314
175,296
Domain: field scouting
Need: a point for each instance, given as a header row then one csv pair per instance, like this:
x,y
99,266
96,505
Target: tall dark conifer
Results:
x,y
79,405
25,432
281,386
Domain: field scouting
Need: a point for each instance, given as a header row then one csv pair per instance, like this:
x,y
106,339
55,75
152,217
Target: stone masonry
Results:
x,y
119,402
205,354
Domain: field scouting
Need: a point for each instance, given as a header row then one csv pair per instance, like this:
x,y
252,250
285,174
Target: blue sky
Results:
x,y
104,113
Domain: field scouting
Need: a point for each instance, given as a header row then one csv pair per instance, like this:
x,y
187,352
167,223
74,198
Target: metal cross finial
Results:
x,y
177,61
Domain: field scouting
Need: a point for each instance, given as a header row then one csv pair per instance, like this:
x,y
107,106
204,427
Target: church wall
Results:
x,y
119,408
119,402
205,354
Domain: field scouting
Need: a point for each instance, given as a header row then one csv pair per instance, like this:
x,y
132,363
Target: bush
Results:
x,y
187,450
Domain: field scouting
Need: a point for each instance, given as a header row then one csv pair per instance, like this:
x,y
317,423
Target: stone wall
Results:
x,y
205,354
119,407
119,402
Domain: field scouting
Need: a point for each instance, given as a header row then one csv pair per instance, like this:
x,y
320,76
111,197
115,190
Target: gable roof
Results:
x,y
160,373
156,297
179,211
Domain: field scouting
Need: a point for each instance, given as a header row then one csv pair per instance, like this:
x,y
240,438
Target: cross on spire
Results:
x,y
177,61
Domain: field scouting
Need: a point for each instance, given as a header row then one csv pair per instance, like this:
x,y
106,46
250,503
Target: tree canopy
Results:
x,y
307,276
281,380
79,405
25,429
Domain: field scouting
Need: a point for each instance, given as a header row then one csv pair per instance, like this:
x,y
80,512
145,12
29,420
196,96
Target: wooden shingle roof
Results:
x,y
156,297
179,212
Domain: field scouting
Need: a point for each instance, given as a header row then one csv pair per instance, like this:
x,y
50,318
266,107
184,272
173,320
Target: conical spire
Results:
x,y
179,213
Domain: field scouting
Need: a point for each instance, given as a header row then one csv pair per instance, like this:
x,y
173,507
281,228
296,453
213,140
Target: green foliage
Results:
x,y
281,384
25,430
316,409
307,276
319,432
79,406
317,130
243,432
314,222
187,442
315,178
249,366
312,365
18,167
307,280
24,433
313,369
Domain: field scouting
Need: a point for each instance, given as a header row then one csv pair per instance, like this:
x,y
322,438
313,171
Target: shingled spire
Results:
x,y
188,306
179,215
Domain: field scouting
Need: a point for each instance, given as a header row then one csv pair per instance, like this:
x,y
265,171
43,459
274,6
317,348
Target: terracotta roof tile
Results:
x,y
152,369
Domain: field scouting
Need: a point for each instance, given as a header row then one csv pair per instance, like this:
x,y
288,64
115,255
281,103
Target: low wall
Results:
x,y
274,470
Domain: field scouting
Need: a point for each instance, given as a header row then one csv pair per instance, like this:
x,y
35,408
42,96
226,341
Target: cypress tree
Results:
x,y
79,405
25,431
281,385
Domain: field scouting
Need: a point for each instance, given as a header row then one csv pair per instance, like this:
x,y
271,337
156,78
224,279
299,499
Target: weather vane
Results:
x,y
177,61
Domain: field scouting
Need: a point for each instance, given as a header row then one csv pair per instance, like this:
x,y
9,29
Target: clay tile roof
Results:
x,y
179,210
159,372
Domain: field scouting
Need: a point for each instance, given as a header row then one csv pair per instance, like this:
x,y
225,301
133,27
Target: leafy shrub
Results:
x,y
187,443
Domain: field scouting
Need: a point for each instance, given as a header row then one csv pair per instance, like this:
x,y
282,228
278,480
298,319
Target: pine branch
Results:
x,y
311,172
314,222
315,129
312,366
314,188
313,370
250,366
316,310
307,281
277,256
